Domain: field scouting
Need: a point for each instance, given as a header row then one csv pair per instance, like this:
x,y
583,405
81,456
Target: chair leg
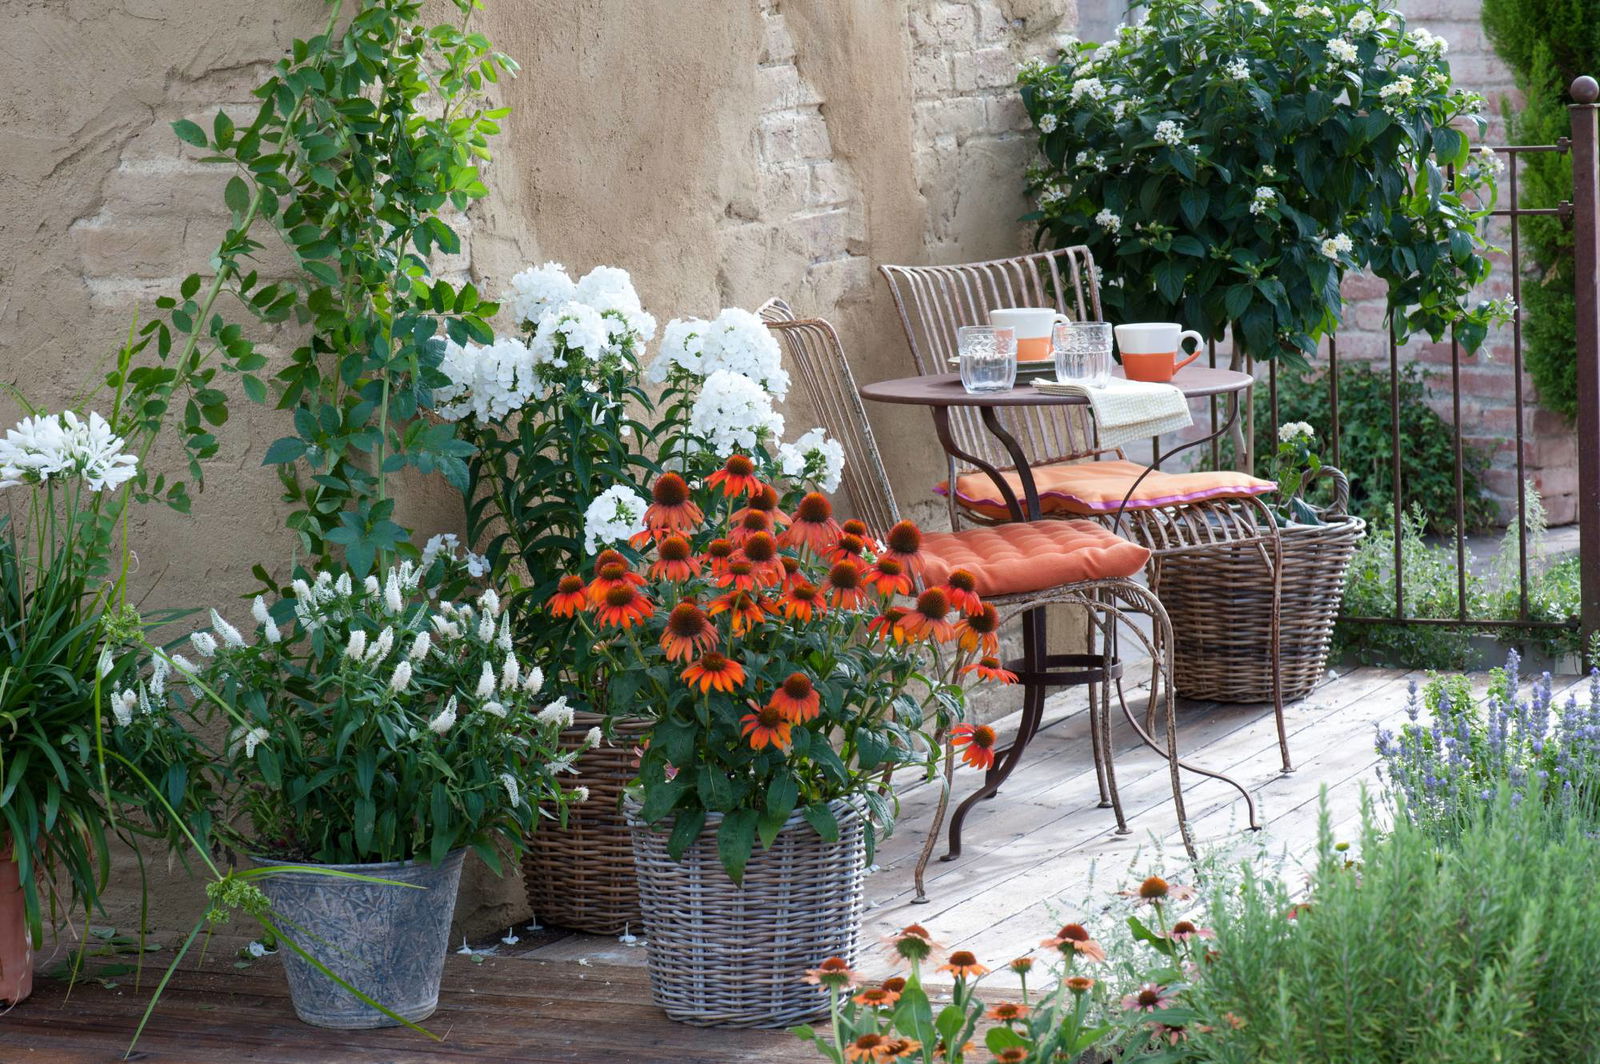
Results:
x,y
1277,643
1099,706
1033,656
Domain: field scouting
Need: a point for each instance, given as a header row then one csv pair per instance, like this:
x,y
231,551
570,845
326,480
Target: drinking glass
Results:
x,y
1082,352
988,356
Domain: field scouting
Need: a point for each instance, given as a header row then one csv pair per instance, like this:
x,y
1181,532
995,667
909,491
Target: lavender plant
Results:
x,y
1443,770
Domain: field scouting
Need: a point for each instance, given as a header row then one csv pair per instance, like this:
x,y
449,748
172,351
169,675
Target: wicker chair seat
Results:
x,y
1089,489
1031,556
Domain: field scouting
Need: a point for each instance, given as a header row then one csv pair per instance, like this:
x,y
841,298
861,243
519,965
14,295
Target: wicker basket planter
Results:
x,y
581,877
728,956
1220,602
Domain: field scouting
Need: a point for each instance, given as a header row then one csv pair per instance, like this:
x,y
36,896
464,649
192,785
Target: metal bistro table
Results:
x,y
943,392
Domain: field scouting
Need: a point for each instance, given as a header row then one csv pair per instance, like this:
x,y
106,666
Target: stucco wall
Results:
x,y
721,152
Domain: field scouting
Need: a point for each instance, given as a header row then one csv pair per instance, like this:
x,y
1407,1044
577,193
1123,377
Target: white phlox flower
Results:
x,y
446,543
477,565
610,291
616,515
813,458
1295,430
732,412
682,342
740,342
1362,21
535,290
571,329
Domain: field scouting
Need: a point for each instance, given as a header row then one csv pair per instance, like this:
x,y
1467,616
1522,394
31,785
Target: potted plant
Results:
x,y
1230,163
370,734
1224,602
778,676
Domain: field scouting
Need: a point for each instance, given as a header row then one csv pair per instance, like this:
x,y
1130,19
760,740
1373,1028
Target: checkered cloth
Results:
x,y
1126,411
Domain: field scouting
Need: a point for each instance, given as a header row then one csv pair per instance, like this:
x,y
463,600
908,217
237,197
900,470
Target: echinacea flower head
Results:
x,y
671,509
978,741
1158,891
740,574
858,528
963,965
1008,1012
929,618
1184,930
904,545
675,560
962,587
868,1048
1150,997
990,669
571,597
887,576
766,726
886,626
1074,940
802,601
764,502
834,973
1021,965
744,610
714,671
688,632
796,699
912,943
812,525
979,630
622,607
736,477
849,545
1012,1055
760,550
608,576
895,984
877,998
846,585
1079,984
753,522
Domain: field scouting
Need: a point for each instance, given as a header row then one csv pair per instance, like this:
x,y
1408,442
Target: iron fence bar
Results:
x,y
1461,490
1216,442
1585,91
1394,454
1517,411
1333,396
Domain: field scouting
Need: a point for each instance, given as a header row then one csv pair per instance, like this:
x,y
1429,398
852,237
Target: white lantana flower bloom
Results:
x,y
1108,220
1090,87
1169,133
1427,43
1336,245
732,411
614,517
1362,21
1263,200
535,290
1340,51
1295,430
1237,69
1048,123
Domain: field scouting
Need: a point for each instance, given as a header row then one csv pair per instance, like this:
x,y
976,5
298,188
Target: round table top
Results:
x,y
945,389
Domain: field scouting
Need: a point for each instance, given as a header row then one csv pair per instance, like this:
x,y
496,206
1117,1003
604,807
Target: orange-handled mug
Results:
x,y
1150,349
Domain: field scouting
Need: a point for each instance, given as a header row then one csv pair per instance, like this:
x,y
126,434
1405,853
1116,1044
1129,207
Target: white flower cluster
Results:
x,y
1048,123
1263,200
1427,43
1340,52
1090,160
1307,10
449,544
813,459
735,340
615,516
732,411
1051,195
1362,22
1238,69
1169,133
1336,245
1260,7
61,446
1108,220
486,381
1400,87
1090,87
1294,430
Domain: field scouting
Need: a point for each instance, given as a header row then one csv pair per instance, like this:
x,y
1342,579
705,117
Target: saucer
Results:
x,y
1024,369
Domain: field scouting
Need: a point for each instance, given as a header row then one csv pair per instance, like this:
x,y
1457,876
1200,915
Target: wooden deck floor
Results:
x,y
1035,856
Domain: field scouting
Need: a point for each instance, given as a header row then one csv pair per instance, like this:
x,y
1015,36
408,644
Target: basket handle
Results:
x,y
1339,507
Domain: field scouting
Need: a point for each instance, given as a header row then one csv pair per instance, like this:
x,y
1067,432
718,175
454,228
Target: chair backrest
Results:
x,y
935,301
776,309
820,366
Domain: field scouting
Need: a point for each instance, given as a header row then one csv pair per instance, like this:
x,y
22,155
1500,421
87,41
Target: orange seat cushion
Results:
x,y
1027,556
1098,488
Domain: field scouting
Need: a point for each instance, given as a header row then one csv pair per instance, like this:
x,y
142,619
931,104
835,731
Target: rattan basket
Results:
x,y
727,956
1220,602
581,877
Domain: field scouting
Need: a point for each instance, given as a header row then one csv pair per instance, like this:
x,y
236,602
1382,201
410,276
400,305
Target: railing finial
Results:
x,y
1585,89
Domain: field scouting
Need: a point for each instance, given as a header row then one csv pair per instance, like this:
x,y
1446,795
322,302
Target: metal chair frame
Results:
x,y
818,355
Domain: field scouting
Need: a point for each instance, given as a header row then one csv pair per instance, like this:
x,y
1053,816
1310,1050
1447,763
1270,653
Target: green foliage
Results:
x,y
1475,953
1228,164
364,135
1547,43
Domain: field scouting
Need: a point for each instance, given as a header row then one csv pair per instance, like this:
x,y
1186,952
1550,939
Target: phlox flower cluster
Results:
x,y
60,447
616,516
735,340
814,460
732,412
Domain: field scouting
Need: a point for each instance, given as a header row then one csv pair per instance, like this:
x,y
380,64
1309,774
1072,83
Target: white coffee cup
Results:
x,y
1150,349
1032,326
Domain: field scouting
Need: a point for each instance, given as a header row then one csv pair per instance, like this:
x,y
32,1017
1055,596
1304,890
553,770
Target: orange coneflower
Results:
x,y
895,984
688,632
1021,965
979,740
833,972
887,626
740,574
813,525
766,727
979,631
571,597
1012,1055
609,556
622,606
963,965
791,570
1074,940
848,546
714,671
611,575
737,477
671,509
1079,984
912,943
1008,1012
898,1048
929,617
871,1048
990,669
675,560
844,586
718,553
752,522
877,997
905,546
744,609
802,601
857,528
761,551
889,577
962,587
797,699
764,501
1156,891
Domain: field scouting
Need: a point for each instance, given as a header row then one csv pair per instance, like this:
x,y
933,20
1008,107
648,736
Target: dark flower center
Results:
x,y
851,544
686,620
570,584
761,547
670,490
741,568
1148,998
720,548
845,576
608,557
933,604
905,538
771,718
962,580
986,621
803,593
1183,927
713,662
894,985
834,964
797,686
855,528
620,595
962,959
1153,888
814,508
1075,933
740,466
983,736
613,571
916,929
674,549
890,567
755,521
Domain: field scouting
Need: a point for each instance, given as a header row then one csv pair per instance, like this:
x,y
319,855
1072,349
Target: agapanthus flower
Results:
x,y
59,446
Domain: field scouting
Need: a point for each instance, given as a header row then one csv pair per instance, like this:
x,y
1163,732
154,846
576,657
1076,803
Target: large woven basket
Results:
x,y
727,956
581,876
1220,602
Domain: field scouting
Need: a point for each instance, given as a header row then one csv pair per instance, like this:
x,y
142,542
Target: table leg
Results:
x,y
941,425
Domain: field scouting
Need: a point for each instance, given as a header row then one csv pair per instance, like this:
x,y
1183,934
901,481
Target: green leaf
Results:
x,y
189,133
820,817
735,839
284,450
914,1016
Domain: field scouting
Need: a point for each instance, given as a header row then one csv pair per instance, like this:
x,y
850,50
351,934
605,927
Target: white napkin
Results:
x,y
1126,411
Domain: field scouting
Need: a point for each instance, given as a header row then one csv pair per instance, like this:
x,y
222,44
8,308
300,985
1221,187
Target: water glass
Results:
x,y
1082,352
988,356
